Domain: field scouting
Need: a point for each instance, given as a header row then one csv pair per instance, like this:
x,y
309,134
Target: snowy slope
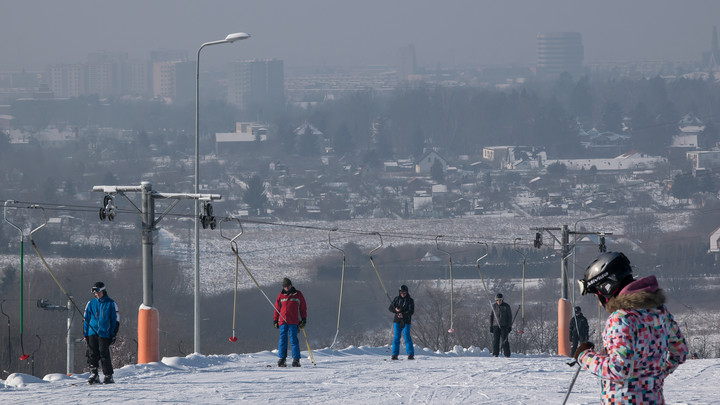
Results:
x,y
363,375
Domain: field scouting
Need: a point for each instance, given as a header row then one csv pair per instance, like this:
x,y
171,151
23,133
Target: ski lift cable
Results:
x,y
342,283
452,329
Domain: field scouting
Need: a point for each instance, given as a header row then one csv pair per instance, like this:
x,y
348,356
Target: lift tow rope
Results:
x,y
372,261
238,259
342,283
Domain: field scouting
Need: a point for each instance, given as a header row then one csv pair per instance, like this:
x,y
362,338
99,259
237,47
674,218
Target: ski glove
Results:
x,y
85,339
583,346
112,340
276,324
302,323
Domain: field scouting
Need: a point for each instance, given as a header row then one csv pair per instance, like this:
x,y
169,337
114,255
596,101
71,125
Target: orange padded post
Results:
x,y
564,328
148,335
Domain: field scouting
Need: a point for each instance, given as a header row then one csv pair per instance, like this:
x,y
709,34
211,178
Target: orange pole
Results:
x,y
148,335
564,327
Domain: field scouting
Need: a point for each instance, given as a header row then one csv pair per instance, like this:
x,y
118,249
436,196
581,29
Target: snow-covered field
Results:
x,y
355,375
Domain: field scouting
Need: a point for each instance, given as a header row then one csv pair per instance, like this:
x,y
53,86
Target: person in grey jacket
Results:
x,y
500,325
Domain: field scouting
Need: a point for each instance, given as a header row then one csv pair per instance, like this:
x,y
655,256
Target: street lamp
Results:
x,y
196,266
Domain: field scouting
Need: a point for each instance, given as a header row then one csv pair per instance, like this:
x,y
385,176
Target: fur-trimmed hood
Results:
x,y
639,294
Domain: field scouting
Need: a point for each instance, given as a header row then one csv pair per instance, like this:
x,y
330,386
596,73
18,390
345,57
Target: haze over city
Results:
x,y
330,33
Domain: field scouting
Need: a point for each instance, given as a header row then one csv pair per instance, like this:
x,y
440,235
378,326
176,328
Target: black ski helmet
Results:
x,y
578,310
606,275
499,296
403,288
97,287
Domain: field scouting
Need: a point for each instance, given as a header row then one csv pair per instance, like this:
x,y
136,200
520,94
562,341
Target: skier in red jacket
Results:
x,y
290,313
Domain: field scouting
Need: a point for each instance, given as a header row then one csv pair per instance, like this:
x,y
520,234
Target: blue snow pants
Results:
x,y
405,331
292,330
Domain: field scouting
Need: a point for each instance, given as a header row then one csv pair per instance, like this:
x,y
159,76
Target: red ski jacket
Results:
x,y
290,304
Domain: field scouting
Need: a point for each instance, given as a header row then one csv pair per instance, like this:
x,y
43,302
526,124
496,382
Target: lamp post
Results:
x,y
196,265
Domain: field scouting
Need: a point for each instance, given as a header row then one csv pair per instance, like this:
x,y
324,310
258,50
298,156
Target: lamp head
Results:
x,y
237,37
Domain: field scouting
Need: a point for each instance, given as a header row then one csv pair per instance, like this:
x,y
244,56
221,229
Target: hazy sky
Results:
x,y
449,33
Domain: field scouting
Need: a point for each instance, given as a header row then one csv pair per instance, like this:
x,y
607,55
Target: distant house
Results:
x,y
715,241
424,165
514,157
704,159
496,155
690,129
244,139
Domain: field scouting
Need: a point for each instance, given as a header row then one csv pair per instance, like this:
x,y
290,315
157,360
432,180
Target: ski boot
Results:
x,y
108,379
281,362
94,379
394,357
411,357
296,363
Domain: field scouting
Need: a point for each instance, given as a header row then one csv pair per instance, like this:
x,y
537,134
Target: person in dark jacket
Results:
x,y
403,306
101,325
642,343
500,325
290,314
578,323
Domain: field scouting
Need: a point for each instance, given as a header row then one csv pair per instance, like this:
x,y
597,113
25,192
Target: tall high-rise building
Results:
x,y
407,64
559,52
66,80
174,80
257,86
105,72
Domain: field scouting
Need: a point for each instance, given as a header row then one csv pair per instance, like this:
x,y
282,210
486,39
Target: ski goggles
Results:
x,y
97,289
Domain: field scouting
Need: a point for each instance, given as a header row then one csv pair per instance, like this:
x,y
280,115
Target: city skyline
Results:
x,y
325,33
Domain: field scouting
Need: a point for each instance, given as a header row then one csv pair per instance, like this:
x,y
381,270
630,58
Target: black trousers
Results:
x,y
98,349
575,342
501,335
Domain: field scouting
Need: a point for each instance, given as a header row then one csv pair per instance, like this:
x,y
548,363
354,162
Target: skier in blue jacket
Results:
x,y
102,321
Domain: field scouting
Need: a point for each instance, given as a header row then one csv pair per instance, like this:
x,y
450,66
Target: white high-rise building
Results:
x,y
66,80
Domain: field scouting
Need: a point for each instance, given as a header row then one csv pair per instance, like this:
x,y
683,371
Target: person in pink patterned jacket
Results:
x,y
642,343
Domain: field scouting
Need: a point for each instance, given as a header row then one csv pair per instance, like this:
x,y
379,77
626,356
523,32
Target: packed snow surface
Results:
x,y
354,375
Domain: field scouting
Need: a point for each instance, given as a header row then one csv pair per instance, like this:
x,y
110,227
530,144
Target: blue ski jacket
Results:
x,y
102,317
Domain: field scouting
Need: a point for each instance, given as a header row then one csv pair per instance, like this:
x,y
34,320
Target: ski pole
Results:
x,y
572,383
511,325
312,358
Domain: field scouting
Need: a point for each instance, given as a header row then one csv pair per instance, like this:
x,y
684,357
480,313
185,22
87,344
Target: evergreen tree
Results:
x,y
308,143
255,194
